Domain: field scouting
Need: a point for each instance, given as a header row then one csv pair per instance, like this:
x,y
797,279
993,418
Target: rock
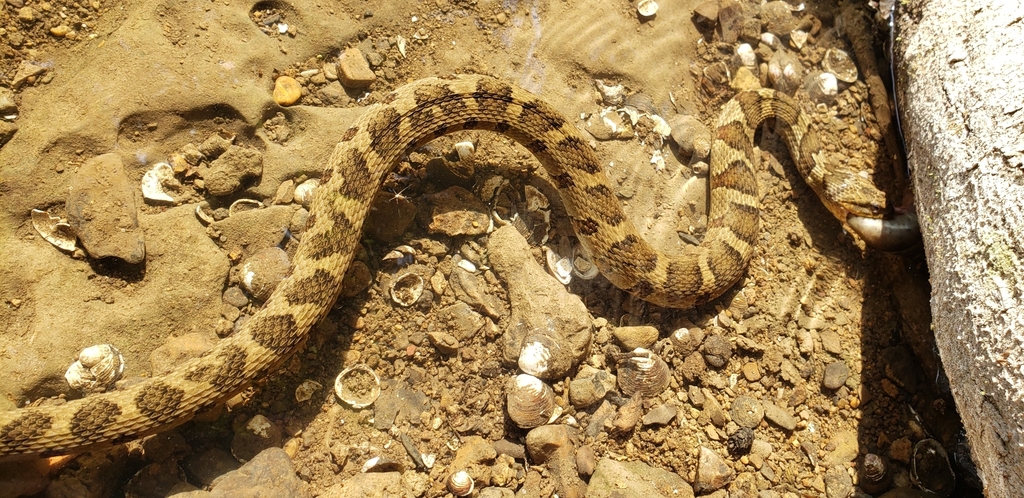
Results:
x,y
60,31
357,279
614,479
101,210
713,472
717,350
628,415
330,71
285,192
270,473
714,409
233,167
744,79
178,350
838,483
751,371
778,18
26,15
367,484
553,445
255,229
746,411
706,13
256,435
461,320
506,447
693,138
474,450
779,416
660,415
353,70
7,131
287,91
590,386
739,442
586,460
334,93
390,218
641,336
7,104
444,342
831,342
211,149
730,20
262,271
24,477
835,376
543,442
843,449
235,297
90,475
399,404
456,211
203,468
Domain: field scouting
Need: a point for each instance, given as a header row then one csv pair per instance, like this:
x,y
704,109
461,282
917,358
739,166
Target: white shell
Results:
x,y
822,88
798,38
610,94
305,390
537,353
746,57
531,402
153,183
54,230
771,40
407,288
642,372
401,41
244,205
96,370
465,150
460,483
467,265
560,267
356,392
582,264
201,213
262,271
305,191
647,8
784,71
839,63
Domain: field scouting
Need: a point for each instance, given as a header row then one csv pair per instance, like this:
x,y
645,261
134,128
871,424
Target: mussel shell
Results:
x,y
530,402
930,468
642,372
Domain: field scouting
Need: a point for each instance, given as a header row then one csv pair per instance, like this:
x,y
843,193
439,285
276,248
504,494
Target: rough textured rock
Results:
x,y
635,480
270,473
101,210
963,147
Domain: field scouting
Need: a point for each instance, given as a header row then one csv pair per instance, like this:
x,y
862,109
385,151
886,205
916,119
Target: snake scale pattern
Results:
x,y
408,118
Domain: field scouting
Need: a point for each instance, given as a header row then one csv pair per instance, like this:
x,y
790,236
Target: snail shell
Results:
x,y
97,369
875,475
460,483
531,402
407,289
642,372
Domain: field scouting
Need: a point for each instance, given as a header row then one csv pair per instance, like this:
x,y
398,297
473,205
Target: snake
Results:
x,y
408,118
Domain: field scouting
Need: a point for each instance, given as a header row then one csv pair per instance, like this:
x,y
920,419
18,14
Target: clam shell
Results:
x,y
531,402
465,150
262,271
153,183
244,205
460,483
97,369
558,266
930,469
642,372
357,386
746,57
202,214
839,63
54,230
822,88
582,264
785,72
539,352
305,191
647,8
407,289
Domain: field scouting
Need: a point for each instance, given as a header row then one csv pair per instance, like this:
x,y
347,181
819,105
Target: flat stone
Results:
x,y
353,69
831,342
835,376
101,210
255,229
456,211
543,442
713,472
635,480
7,131
232,168
270,473
474,450
660,415
746,411
844,446
641,336
590,386
838,483
779,416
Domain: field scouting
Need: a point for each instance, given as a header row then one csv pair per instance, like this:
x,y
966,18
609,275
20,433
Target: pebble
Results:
x,y
285,192
751,371
586,460
707,12
779,416
330,71
444,342
270,473
60,31
26,70
691,135
687,340
900,450
203,468
26,15
7,104
641,336
474,450
232,168
744,79
460,319
158,479
714,409
399,404
456,211
211,148
635,480
845,448
746,411
590,386
730,20
717,350
287,91
256,435
838,483
693,367
836,374
660,415
235,297
543,442
506,447
739,442
713,472
831,342
101,210
353,70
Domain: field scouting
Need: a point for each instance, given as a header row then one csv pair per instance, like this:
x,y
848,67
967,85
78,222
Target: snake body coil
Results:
x,y
408,118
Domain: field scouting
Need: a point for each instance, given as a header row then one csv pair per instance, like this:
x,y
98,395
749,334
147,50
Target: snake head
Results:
x,y
855,194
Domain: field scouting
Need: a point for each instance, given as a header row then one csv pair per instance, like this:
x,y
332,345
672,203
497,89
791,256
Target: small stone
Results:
x,y
831,342
211,148
838,483
717,350
444,342
101,210
642,336
228,172
706,13
7,105
779,416
544,442
287,91
846,448
744,79
613,479
474,450
660,415
203,468
330,71
746,411
26,15
836,374
730,20
751,371
258,434
456,211
270,473
713,472
590,386
714,409
586,460
353,69
285,192
60,31
900,450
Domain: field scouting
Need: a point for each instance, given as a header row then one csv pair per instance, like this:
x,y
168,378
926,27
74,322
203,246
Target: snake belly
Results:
x,y
408,118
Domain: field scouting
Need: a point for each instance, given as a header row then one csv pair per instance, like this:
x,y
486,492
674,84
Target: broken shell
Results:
x,y
465,150
244,205
153,182
839,63
541,348
583,264
400,256
798,38
784,71
647,8
202,214
460,483
96,370
531,402
262,271
559,267
642,372
305,191
930,469
357,386
610,94
822,88
305,390
691,135
535,200
407,288
54,230
770,40
467,265
745,57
